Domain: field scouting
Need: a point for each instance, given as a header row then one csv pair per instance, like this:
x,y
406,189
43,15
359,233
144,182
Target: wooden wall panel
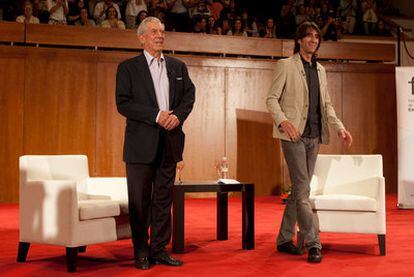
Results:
x,y
59,103
205,127
110,125
335,92
259,157
370,114
246,89
12,75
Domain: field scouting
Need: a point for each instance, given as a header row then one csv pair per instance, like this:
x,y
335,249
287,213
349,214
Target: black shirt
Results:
x,y
313,123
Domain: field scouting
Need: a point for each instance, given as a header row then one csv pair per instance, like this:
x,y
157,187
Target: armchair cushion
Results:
x,y
98,208
343,202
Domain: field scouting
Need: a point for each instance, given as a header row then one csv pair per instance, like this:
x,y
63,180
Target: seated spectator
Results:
x,y
212,28
200,24
348,10
140,17
112,20
58,10
201,9
382,30
41,11
270,29
28,17
287,23
301,15
84,18
224,27
319,22
215,7
74,10
229,10
369,16
158,9
177,16
237,29
133,8
99,13
249,24
332,29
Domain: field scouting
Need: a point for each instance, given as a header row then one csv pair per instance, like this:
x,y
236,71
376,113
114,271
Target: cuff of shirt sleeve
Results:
x,y
158,117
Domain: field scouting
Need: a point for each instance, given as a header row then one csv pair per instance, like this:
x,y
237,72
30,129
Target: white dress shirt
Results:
x,y
160,80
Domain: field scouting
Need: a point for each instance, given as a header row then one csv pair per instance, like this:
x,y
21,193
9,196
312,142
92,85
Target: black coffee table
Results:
x,y
222,190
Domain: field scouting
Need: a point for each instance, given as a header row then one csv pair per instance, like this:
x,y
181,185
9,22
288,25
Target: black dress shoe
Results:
x,y
142,263
314,255
288,247
166,259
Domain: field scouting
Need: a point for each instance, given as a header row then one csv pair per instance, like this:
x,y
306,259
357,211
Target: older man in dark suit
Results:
x,y
156,95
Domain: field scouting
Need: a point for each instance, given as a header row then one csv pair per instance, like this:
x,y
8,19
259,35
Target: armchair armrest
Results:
x,y
48,211
370,187
114,188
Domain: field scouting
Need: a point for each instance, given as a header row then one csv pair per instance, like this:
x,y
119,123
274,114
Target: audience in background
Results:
x,y
348,9
133,8
212,28
112,21
84,18
334,17
28,17
369,16
75,11
58,11
237,29
269,30
99,13
141,16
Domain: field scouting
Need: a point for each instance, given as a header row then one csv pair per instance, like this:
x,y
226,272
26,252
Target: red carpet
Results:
x,y
344,254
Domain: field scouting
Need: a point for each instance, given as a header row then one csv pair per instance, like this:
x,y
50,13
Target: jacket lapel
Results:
x,y
171,78
301,69
148,82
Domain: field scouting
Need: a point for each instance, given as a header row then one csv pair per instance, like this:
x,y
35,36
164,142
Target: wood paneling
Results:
x,y
110,125
369,112
12,31
201,43
259,157
205,127
357,51
59,103
12,75
246,89
335,92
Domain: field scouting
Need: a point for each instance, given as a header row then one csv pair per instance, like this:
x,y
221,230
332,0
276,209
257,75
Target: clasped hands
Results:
x,y
168,120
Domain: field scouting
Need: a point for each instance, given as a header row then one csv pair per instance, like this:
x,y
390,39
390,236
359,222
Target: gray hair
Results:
x,y
142,28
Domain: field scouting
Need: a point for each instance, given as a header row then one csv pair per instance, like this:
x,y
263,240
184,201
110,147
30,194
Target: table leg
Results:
x,y
248,218
222,215
178,222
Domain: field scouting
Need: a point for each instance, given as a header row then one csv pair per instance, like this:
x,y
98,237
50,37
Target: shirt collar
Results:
x,y
305,62
150,58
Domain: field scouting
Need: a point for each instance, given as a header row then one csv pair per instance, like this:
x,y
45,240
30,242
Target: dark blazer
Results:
x,y
136,100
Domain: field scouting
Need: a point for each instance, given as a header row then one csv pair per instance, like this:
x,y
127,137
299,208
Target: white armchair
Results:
x,y
61,205
348,195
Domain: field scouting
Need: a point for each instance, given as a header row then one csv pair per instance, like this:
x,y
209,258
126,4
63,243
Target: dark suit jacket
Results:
x,y
136,100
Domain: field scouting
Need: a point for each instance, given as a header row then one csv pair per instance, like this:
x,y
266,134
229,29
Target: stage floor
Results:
x,y
344,254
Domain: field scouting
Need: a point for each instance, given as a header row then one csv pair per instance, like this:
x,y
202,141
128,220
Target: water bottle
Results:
x,y
224,168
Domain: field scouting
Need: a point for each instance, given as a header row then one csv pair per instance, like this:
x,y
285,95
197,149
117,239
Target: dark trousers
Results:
x,y
150,188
